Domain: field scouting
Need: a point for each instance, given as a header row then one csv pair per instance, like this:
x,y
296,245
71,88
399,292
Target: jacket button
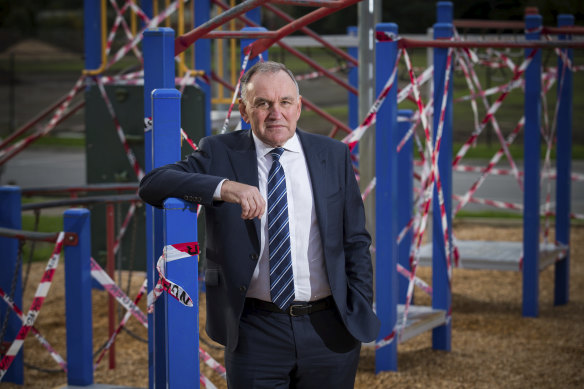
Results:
x,y
242,288
253,257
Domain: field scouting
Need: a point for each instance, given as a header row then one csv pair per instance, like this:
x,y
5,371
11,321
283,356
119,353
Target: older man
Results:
x,y
289,276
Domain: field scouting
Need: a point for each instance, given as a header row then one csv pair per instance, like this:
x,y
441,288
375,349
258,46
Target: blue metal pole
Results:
x,y
92,33
78,283
148,9
158,73
386,193
10,217
405,183
564,167
255,15
202,51
165,150
182,322
353,81
442,294
252,61
531,195
444,12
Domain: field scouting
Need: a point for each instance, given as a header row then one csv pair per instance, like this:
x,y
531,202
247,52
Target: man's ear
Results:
x,y
242,111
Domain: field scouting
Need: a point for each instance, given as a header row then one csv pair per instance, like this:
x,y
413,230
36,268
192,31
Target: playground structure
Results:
x,y
405,320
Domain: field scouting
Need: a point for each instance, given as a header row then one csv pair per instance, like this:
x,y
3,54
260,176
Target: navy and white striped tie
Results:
x,y
281,276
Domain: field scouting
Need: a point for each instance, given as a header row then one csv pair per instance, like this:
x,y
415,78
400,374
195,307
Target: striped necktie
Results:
x,y
281,276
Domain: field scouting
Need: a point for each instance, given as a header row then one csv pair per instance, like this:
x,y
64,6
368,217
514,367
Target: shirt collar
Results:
x,y
262,149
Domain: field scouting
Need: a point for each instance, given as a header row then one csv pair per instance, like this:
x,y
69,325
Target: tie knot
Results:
x,y
277,153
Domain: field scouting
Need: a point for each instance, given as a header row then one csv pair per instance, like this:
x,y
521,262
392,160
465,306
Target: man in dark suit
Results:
x,y
289,275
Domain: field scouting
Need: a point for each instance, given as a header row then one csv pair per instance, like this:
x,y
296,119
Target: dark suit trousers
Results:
x,y
277,351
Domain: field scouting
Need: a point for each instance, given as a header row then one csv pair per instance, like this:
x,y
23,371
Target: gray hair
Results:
x,y
265,67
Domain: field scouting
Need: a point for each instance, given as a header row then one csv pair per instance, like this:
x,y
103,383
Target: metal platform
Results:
x,y
493,255
420,319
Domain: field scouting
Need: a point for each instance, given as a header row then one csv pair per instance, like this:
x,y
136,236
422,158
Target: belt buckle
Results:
x,y
292,310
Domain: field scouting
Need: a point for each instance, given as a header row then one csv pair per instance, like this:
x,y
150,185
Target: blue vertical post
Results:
x,y
202,52
441,296
78,283
255,15
405,183
531,163
252,61
182,322
353,78
158,73
564,167
148,9
386,201
444,12
165,150
10,217
92,33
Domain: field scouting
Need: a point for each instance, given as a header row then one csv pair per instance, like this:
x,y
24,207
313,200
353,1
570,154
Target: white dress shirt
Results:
x,y
310,279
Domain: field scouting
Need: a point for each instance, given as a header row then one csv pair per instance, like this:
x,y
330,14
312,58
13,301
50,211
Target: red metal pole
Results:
x,y
263,44
573,30
184,41
298,54
310,3
32,123
110,268
492,24
314,35
440,43
36,136
309,105
239,34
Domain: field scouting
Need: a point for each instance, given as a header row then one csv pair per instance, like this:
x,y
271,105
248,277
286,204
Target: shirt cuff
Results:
x,y
217,193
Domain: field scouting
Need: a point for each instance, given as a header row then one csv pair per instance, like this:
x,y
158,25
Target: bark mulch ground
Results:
x,y
493,346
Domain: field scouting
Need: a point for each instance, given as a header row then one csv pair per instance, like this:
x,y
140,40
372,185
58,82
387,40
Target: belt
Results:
x,y
297,308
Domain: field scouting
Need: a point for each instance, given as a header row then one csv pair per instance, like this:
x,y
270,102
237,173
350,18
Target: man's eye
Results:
x,y
262,105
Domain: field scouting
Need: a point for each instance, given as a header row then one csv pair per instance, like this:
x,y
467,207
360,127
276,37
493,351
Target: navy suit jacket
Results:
x,y
233,244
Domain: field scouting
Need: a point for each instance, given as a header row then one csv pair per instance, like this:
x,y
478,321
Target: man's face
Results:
x,y
273,107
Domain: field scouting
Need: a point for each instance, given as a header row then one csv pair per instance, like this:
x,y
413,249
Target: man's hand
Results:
x,y
249,197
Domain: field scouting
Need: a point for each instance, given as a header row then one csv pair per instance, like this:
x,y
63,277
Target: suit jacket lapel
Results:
x,y
315,155
244,163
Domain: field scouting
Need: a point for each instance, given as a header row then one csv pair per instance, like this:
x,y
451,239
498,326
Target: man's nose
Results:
x,y
275,111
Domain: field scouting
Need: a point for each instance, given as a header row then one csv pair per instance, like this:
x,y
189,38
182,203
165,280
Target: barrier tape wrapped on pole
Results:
x,y
35,307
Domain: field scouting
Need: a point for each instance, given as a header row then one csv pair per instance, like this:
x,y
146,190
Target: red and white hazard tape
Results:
x,y
14,149
153,23
236,92
206,383
466,198
433,180
386,340
489,117
110,286
125,319
317,74
35,307
353,138
369,188
518,72
54,354
172,252
129,153
417,280
213,364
